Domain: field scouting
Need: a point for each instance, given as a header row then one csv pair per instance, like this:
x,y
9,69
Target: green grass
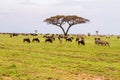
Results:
x,y
66,61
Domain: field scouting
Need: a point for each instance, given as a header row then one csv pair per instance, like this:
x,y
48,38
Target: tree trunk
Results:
x,y
67,30
65,33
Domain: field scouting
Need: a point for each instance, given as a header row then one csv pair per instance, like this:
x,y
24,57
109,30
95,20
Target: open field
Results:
x,y
66,61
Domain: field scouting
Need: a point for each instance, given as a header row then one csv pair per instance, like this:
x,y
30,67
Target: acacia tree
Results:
x,y
61,20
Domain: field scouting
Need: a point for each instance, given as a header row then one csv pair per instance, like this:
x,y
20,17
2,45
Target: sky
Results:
x,y
26,16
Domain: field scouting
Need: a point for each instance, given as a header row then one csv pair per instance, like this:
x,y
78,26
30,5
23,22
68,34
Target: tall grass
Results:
x,y
66,61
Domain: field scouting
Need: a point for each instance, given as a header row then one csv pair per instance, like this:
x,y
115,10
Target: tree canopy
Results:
x,y
60,20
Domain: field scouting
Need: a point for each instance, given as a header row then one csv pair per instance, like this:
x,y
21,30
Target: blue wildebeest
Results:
x,y
101,42
49,40
118,37
82,41
60,37
35,40
13,34
26,40
69,39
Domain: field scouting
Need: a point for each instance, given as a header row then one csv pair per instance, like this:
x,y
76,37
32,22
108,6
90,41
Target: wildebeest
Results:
x,y
69,39
26,40
96,40
118,37
101,42
77,39
60,38
13,34
35,40
49,36
82,41
49,40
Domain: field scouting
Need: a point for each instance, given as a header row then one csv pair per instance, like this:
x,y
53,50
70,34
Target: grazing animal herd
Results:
x,y
79,39
50,38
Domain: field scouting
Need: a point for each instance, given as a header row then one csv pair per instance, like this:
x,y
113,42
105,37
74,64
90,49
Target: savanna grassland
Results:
x,y
66,61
